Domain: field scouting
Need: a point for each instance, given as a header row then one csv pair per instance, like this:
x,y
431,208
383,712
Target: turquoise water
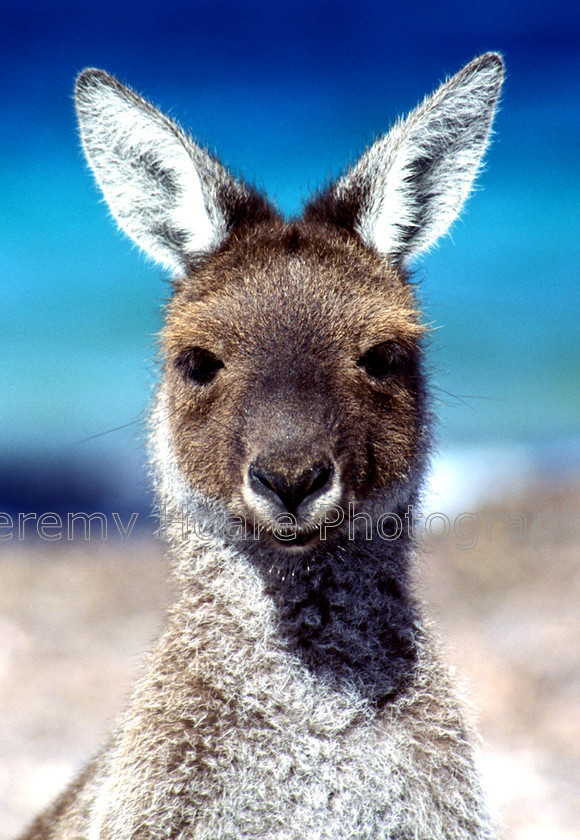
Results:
x,y
287,105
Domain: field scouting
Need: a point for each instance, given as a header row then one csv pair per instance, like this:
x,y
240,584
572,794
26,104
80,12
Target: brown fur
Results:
x,y
262,298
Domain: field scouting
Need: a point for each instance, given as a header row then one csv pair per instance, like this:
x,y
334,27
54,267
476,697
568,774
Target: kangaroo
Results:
x,y
295,690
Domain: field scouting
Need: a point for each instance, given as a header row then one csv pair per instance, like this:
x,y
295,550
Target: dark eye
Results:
x,y
383,360
198,364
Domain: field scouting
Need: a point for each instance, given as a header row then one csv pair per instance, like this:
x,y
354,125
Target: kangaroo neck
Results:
x,y
343,611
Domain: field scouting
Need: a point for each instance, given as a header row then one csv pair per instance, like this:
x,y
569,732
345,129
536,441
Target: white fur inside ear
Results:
x,y
146,168
414,181
389,208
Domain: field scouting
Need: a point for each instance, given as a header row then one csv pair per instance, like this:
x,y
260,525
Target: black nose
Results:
x,y
291,490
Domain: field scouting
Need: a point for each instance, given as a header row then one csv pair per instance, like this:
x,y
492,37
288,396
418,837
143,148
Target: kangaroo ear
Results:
x,y
411,184
170,196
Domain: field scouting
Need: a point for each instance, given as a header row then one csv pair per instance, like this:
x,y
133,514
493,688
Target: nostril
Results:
x,y
319,480
260,476
272,482
291,490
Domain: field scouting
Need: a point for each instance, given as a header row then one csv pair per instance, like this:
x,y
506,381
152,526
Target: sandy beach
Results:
x,y
502,587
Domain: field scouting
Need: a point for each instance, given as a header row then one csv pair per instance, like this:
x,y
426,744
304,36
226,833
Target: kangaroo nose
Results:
x,y
290,490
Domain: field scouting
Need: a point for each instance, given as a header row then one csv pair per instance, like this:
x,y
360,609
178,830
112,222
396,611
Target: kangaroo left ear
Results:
x,y
169,195
408,188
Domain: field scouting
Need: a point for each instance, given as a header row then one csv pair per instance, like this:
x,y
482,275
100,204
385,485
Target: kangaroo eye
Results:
x,y
198,364
383,359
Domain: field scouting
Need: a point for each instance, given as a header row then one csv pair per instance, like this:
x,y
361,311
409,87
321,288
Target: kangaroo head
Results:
x,y
292,351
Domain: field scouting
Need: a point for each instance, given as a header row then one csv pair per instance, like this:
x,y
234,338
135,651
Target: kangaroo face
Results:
x,y
292,359
292,374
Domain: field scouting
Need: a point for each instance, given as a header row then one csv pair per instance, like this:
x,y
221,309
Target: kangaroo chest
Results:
x,y
253,745
233,734
291,760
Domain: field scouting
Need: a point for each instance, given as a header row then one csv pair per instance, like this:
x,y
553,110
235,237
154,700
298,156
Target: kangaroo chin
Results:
x,y
295,690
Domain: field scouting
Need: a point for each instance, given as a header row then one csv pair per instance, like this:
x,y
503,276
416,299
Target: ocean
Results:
x,y
287,105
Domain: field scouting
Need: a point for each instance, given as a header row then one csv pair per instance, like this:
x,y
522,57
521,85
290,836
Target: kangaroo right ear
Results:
x,y
411,184
170,196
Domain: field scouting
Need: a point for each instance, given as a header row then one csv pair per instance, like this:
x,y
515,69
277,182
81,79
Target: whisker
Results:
x,y
140,419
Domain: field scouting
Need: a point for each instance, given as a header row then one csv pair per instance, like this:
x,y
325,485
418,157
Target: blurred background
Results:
x,y
288,94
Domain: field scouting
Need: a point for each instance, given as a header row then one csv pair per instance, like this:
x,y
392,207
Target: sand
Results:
x,y
75,619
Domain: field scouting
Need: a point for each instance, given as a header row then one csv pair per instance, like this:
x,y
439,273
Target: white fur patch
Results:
x,y
416,179
146,168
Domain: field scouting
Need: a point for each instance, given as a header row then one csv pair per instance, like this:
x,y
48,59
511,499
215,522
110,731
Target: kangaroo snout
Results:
x,y
291,491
